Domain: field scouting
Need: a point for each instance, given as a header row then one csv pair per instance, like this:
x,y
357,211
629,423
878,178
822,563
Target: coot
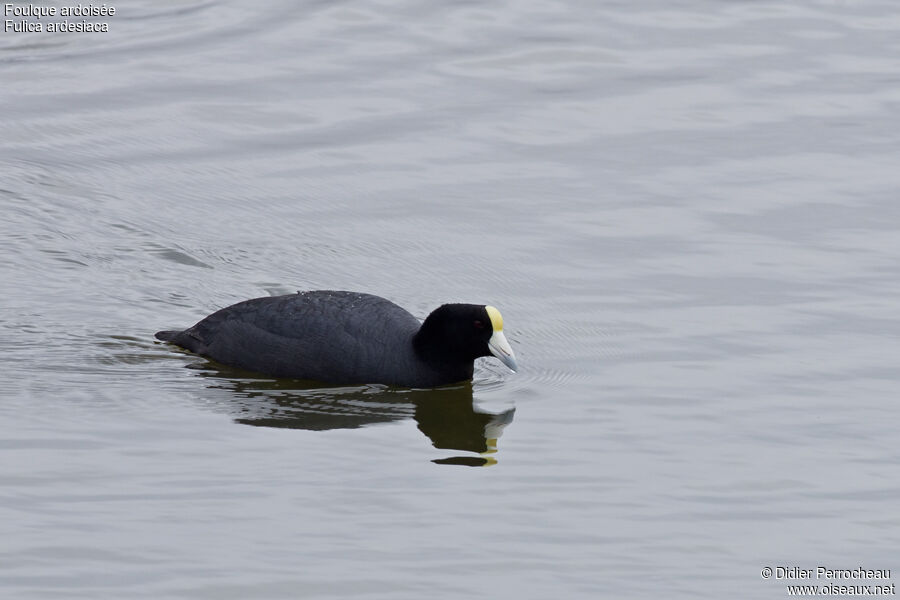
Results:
x,y
348,337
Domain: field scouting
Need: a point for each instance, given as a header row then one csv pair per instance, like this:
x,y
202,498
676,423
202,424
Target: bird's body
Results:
x,y
347,337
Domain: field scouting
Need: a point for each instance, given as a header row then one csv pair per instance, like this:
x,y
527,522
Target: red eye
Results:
x,y
478,325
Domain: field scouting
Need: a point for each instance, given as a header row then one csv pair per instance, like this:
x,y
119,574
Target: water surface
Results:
x,y
687,213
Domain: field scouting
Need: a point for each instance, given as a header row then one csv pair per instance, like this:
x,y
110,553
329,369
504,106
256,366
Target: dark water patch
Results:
x,y
175,255
448,416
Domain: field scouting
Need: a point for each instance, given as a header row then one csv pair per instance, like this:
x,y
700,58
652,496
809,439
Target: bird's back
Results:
x,y
330,336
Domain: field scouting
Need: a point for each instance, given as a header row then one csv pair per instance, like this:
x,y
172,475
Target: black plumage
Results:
x,y
348,337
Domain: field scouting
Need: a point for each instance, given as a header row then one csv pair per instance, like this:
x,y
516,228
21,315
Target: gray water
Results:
x,y
686,211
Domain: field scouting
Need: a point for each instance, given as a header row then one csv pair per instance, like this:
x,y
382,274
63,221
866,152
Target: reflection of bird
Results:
x,y
455,424
447,415
348,337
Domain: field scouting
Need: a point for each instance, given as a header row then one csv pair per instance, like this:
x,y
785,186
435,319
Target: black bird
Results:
x,y
348,337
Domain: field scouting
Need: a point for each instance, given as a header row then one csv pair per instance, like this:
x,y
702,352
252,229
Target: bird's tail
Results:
x,y
167,336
